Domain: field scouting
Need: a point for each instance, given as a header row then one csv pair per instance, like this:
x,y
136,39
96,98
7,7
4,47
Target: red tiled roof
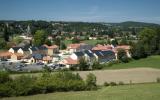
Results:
x,y
70,61
74,46
102,47
5,54
50,47
125,47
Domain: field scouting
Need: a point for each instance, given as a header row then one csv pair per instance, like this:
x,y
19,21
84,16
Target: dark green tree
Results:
x,y
40,37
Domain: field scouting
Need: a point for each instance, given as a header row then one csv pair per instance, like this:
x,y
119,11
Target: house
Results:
x,y
36,58
52,50
14,49
77,55
124,47
104,56
24,50
78,47
42,49
33,49
16,56
69,62
89,56
47,59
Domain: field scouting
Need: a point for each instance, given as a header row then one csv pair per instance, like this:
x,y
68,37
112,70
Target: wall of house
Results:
x,y
14,57
74,57
11,50
50,52
20,51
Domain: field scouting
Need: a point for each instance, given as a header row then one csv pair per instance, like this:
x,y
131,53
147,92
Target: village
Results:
x,y
30,58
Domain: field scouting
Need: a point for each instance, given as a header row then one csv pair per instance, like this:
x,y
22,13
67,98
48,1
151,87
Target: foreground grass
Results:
x,y
150,62
126,92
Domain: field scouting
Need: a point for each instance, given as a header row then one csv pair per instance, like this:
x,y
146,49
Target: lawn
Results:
x,y
152,62
93,42
126,92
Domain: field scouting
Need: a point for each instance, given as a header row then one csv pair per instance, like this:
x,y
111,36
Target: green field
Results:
x,y
152,62
91,42
126,92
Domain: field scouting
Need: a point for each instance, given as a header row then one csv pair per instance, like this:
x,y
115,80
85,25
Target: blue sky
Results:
x,y
81,10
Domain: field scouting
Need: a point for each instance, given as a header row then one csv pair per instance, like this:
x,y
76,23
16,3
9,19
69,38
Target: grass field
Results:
x,y
91,42
126,92
152,62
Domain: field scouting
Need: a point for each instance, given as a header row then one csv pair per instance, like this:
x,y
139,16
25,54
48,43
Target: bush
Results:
x,y
106,84
113,83
97,65
120,83
91,82
59,81
158,80
4,77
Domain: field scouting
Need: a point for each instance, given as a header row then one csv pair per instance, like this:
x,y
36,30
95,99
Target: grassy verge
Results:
x,y
150,62
126,92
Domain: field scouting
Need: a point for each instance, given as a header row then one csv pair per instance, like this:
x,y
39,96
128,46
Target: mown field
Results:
x,y
126,92
149,62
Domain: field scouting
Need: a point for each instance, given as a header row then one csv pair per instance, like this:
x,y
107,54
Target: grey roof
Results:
x,y
42,48
16,48
38,56
89,53
79,54
33,48
107,53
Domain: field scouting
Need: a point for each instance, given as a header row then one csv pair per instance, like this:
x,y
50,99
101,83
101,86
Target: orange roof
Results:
x,y
5,54
125,47
102,47
74,46
50,47
47,58
70,61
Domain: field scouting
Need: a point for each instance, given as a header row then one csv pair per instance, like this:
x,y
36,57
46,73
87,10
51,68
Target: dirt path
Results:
x,y
135,75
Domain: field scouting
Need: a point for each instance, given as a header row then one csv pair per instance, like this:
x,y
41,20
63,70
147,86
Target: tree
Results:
x,y
75,40
39,37
6,33
2,43
63,46
91,81
17,39
148,37
138,51
48,42
83,65
122,56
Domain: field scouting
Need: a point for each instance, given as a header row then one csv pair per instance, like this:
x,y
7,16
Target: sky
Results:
x,y
81,10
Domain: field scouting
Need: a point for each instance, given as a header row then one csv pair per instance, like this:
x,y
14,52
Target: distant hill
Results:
x,y
135,24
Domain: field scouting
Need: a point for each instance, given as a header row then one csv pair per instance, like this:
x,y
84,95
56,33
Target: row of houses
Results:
x,y
100,53
46,54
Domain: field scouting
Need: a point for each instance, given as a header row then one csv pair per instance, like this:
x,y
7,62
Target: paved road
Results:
x,y
135,75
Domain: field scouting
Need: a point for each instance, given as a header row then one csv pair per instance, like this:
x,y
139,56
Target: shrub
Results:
x,y
158,80
113,83
120,83
4,76
91,81
97,65
106,84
